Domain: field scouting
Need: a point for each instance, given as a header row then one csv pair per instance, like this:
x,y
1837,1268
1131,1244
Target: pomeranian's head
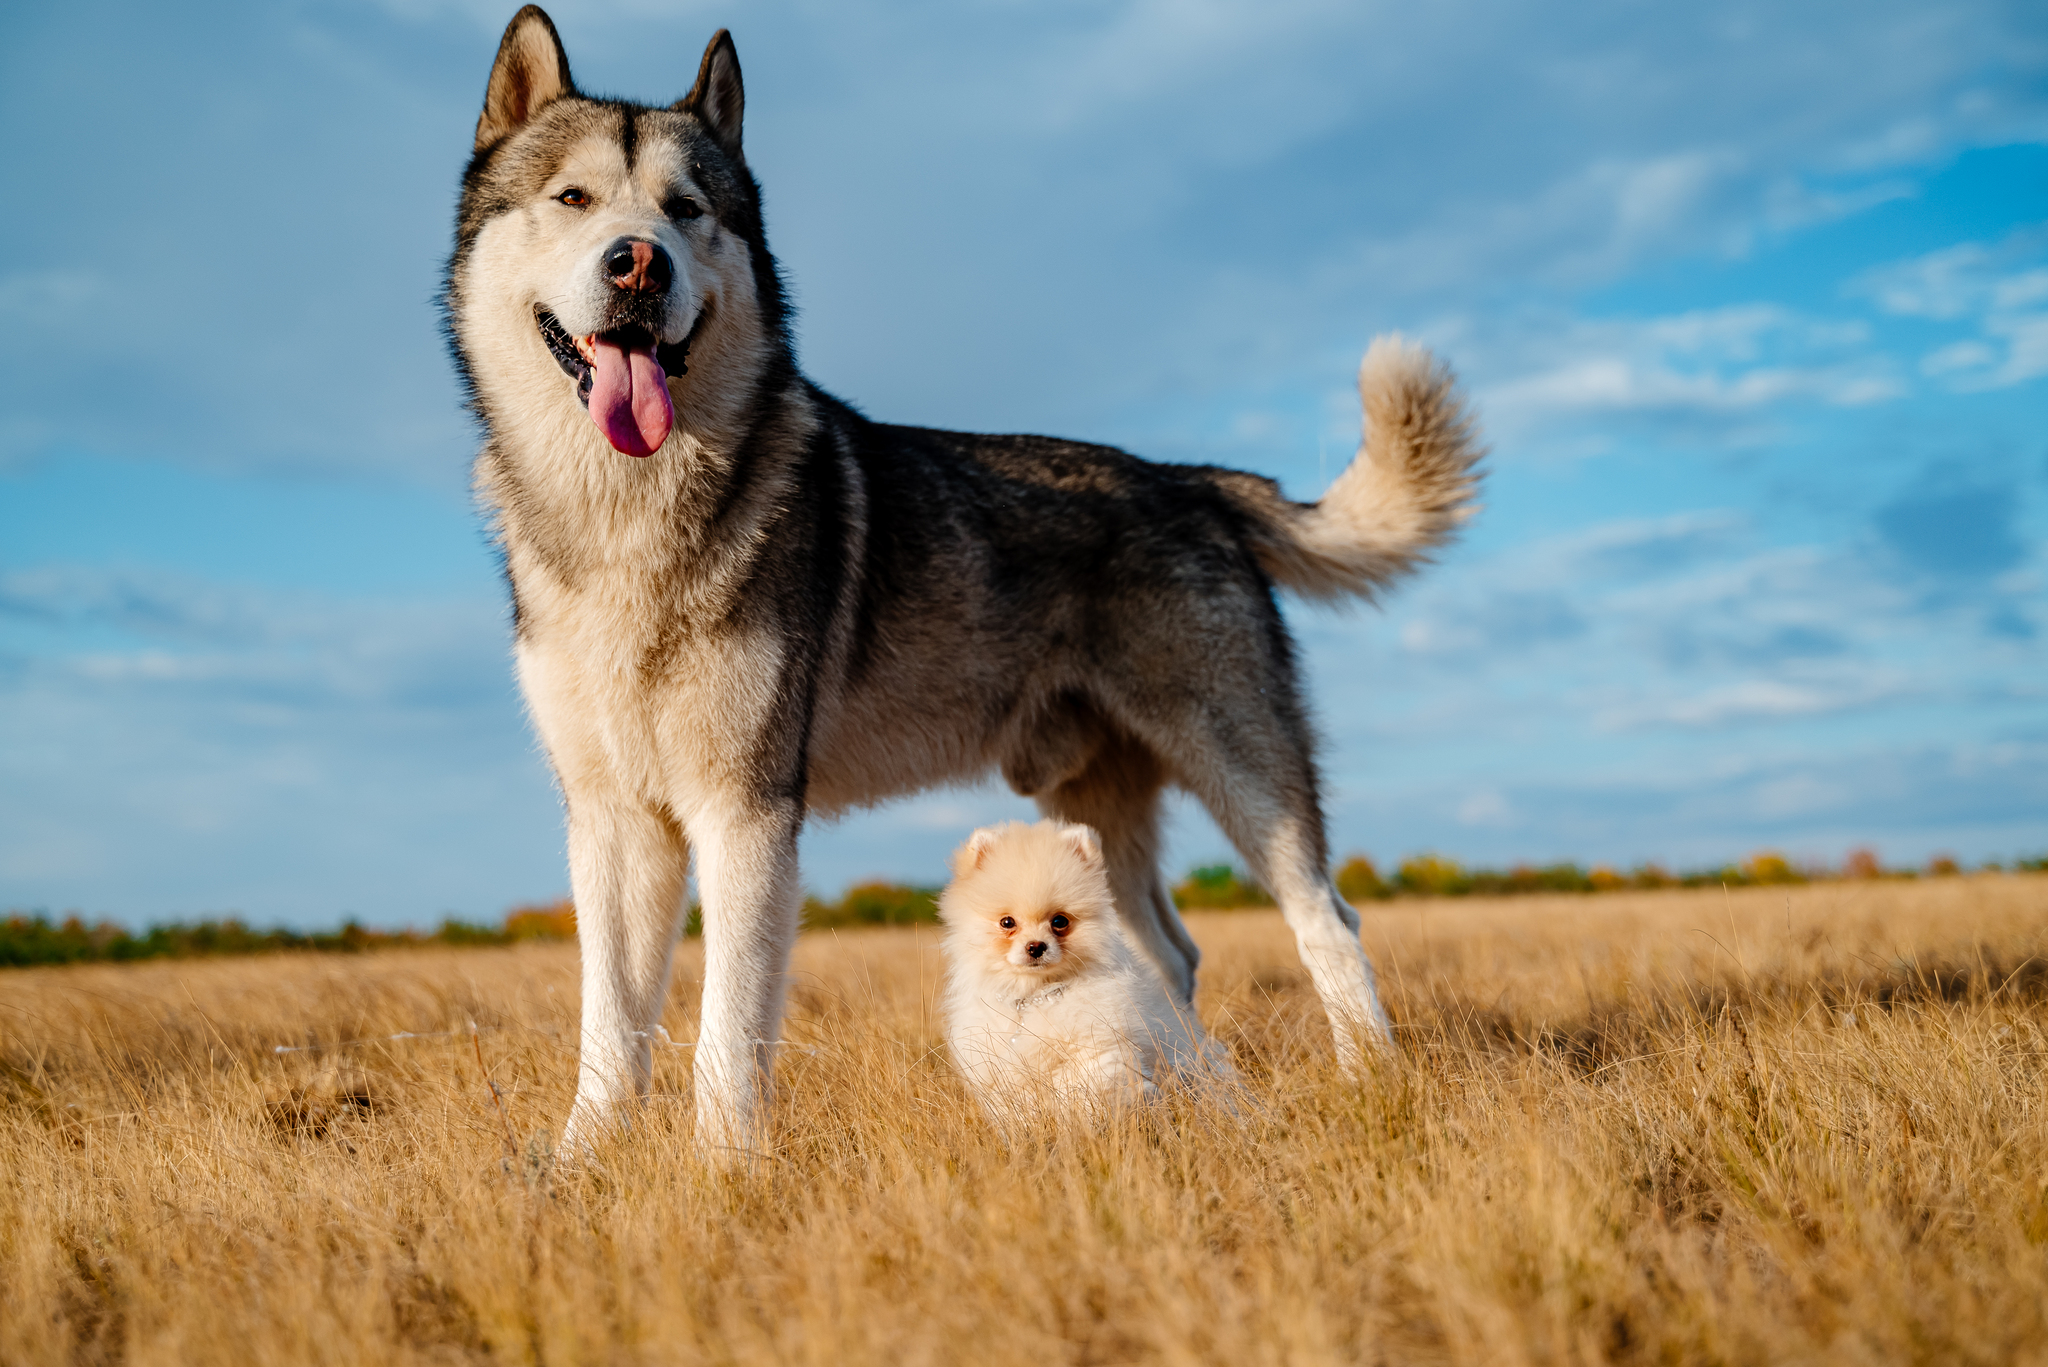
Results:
x,y
1030,904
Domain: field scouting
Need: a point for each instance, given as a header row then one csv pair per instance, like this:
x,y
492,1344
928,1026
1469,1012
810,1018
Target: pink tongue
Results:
x,y
629,398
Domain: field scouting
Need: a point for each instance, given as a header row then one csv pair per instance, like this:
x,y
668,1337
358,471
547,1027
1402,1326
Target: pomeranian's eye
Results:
x,y
1008,923
1061,924
573,197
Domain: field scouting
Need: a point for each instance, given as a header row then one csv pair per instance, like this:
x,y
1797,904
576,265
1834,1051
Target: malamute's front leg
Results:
x,y
747,876
628,866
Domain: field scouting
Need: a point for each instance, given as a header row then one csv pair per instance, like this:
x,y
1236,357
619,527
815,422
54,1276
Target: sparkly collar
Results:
x,y
1040,997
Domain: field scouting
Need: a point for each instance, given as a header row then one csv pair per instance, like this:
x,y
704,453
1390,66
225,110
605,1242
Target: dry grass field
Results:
x,y
1778,1125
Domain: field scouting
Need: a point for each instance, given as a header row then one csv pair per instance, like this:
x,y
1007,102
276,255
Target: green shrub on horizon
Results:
x,y
1219,887
874,904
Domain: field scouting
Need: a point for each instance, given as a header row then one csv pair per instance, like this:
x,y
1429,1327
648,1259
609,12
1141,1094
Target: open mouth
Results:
x,y
621,378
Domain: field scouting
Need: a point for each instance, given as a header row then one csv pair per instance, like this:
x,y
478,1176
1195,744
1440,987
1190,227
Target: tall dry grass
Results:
x,y
1776,1126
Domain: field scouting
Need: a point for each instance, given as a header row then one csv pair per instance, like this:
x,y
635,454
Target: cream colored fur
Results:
x,y
1085,1024
1407,491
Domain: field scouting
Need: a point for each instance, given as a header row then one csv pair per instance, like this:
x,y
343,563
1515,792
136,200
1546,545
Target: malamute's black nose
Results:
x,y
639,265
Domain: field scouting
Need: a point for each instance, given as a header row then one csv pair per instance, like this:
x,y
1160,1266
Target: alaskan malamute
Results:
x,y
738,601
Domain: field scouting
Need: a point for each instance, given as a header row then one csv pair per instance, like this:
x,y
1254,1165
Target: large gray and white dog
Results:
x,y
738,601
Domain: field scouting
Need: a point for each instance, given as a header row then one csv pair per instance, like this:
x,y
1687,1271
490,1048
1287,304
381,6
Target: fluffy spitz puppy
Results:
x,y
1047,1006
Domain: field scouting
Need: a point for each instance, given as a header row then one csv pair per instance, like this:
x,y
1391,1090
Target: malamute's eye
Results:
x,y
1008,923
682,206
573,197
1060,924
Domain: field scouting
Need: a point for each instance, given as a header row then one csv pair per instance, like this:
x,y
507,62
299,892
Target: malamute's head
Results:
x,y
599,242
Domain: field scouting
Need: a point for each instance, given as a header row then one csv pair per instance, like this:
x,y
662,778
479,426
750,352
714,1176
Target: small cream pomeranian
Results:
x,y
1048,1008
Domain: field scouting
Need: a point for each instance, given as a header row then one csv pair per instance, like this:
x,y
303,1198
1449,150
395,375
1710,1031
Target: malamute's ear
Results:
x,y
718,99
532,72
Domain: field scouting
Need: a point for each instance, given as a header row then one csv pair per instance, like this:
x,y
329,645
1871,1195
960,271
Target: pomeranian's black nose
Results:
x,y
1036,949
640,266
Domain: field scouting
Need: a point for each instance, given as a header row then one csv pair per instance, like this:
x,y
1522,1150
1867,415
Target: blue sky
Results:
x,y
1753,301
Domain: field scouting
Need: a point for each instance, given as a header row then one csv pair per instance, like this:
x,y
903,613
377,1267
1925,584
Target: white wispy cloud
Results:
x,y
1551,371
1757,700
2000,288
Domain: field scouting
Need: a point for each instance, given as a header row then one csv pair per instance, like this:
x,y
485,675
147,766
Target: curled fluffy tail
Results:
x,y
1402,496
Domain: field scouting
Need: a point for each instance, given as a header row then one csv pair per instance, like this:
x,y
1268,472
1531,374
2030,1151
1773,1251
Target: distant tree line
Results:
x,y
1430,875
35,939
28,940
1223,886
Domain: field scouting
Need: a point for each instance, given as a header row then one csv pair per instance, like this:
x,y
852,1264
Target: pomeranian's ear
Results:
x,y
968,857
1081,842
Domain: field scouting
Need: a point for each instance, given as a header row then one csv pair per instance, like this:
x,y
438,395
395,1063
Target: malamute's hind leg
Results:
x,y
1117,793
1325,929
1267,806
